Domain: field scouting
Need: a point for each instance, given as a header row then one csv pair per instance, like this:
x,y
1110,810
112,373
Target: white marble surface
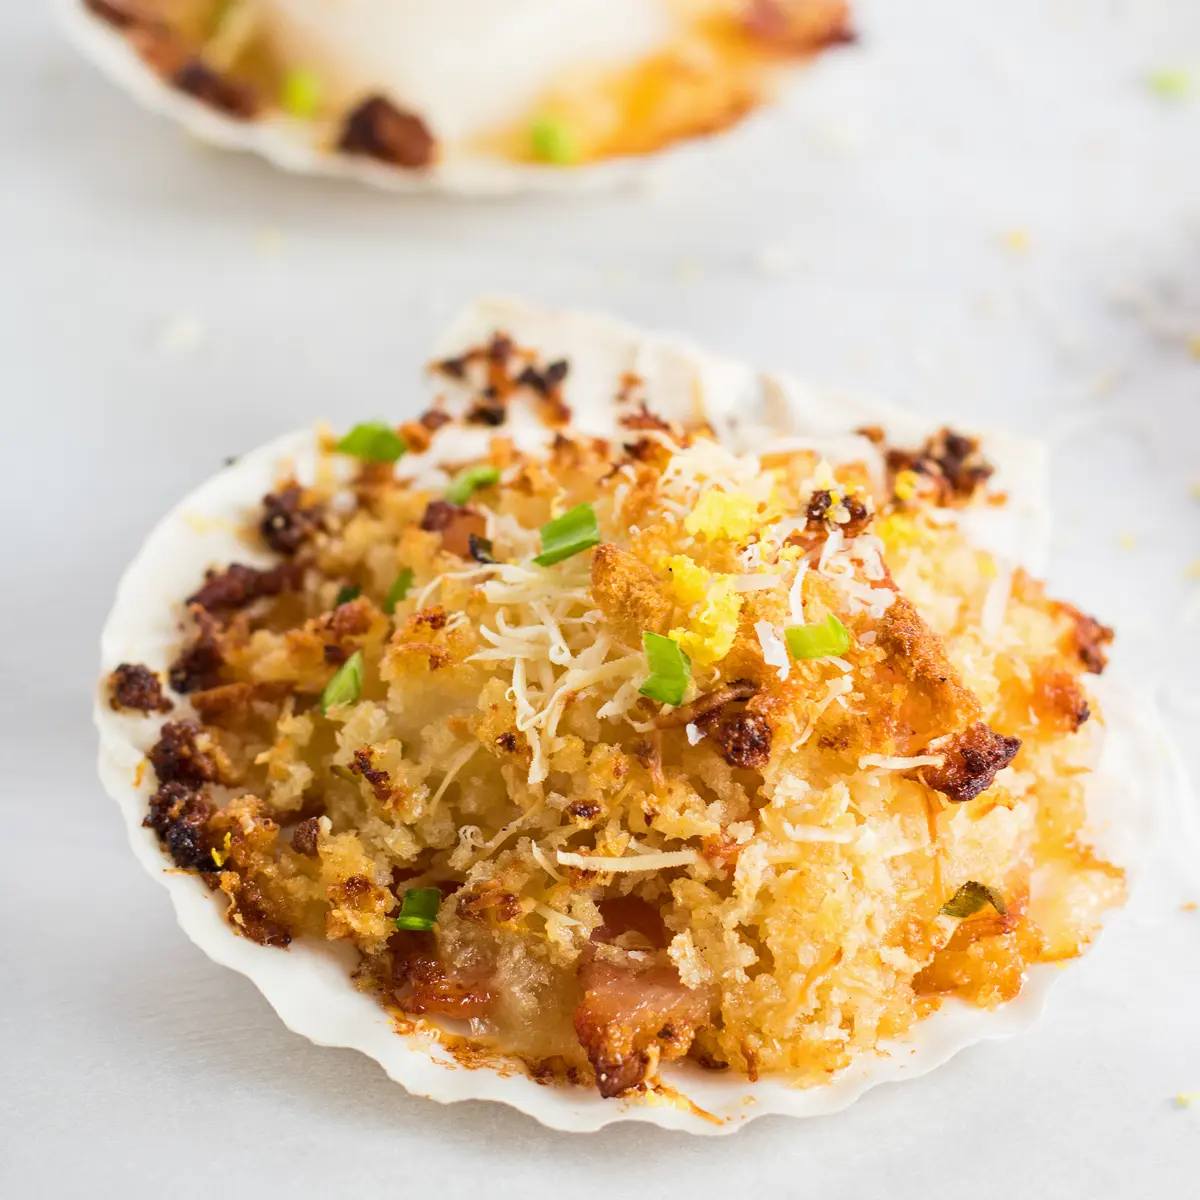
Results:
x,y
163,306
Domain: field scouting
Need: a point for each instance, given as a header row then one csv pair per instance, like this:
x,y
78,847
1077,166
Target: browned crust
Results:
x,y
629,594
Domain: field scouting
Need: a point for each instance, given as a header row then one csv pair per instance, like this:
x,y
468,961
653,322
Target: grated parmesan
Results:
x,y
653,861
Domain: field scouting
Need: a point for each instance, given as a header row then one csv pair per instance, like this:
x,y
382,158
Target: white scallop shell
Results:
x,y
308,984
289,145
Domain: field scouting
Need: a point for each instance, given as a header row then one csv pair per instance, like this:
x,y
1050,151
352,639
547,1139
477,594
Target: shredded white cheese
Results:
x,y
695,735
654,861
774,651
885,763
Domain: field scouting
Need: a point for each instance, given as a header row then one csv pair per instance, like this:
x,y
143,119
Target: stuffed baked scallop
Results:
x,y
460,94
613,758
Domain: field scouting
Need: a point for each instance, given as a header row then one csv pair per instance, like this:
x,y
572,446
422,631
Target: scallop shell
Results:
x,y
308,985
288,144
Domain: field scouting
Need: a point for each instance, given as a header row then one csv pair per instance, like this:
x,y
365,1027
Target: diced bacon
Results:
x,y
630,1018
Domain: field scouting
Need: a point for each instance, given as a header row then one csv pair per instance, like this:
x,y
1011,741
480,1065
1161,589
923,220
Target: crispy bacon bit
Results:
x,y
721,849
705,706
229,96
547,384
507,742
488,409
378,129
250,911
743,738
199,664
239,585
286,524
584,810
305,837
544,381
178,758
972,760
951,460
628,1018
422,984
456,523
124,14
643,418
380,781
488,899
418,434
1090,639
134,686
649,754
334,655
179,816
799,26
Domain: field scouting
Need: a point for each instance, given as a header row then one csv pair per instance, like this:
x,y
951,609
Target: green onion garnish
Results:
x,y
346,685
350,592
1171,83
574,531
373,441
820,640
398,590
467,482
418,909
300,95
670,669
552,141
970,898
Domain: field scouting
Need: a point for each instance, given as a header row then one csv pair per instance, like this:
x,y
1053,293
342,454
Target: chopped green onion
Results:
x,y
346,685
822,639
398,590
1171,83
970,898
670,669
350,592
574,531
300,95
552,141
467,482
343,773
373,441
418,909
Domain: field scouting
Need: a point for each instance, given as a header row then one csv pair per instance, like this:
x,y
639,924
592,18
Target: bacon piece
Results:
x,y
134,686
972,760
199,80
177,756
629,1018
305,837
456,523
287,523
743,738
952,460
708,704
422,984
239,585
198,666
378,129
179,816
1090,640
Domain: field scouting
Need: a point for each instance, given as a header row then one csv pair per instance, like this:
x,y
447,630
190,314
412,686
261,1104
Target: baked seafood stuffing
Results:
x,y
409,83
625,750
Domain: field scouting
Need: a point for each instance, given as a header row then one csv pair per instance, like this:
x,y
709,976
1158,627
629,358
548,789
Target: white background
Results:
x,y
163,306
